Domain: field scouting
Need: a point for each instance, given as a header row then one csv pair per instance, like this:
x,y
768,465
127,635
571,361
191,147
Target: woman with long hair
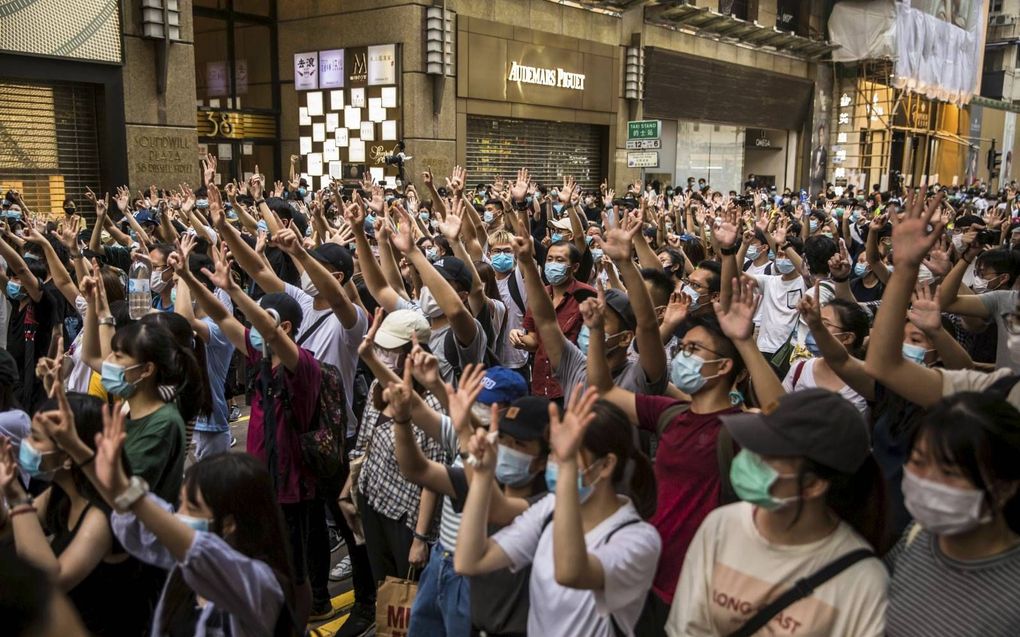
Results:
x,y
961,485
592,554
65,530
812,498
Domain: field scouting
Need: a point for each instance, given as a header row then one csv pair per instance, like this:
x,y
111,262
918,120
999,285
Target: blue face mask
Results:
x,y
914,353
31,459
201,203
772,255
813,225
370,221
112,377
557,237
838,211
302,192
556,273
785,266
502,262
432,255
262,225
513,468
487,217
694,296
811,345
589,239
15,291
552,471
685,373
198,524
854,216
597,254
255,339
860,269
424,216
557,207
753,252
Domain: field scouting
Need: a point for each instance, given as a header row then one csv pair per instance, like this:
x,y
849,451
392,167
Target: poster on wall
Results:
x,y
820,136
382,64
1008,137
331,68
973,148
215,78
306,71
356,66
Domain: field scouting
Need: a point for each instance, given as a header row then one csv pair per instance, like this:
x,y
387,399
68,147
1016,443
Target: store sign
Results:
x,y
545,76
331,68
643,144
356,66
306,71
644,129
161,156
382,65
643,159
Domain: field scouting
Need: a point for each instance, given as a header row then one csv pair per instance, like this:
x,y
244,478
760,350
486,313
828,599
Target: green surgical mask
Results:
x,y
752,479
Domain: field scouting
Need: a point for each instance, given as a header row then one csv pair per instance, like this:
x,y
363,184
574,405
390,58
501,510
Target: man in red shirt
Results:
x,y
561,263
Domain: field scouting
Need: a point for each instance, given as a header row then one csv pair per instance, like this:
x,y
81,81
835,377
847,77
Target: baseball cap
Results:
x,y
285,307
813,423
502,385
336,257
398,326
620,303
146,216
454,271
526,419
561,224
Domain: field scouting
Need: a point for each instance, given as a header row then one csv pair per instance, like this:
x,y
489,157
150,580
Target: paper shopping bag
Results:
x,y
393,604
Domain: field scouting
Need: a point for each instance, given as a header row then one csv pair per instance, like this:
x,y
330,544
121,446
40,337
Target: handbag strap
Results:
x,y
315,326
801,589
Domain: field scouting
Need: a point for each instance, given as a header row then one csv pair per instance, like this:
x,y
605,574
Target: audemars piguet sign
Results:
x,y
548,77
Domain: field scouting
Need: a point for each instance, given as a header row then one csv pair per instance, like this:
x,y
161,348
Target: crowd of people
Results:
x,y
561,410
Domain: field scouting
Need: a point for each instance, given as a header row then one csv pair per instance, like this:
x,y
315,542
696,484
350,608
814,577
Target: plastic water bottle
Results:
x,y
139,296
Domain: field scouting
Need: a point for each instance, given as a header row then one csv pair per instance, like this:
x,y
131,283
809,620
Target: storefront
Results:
x,y
725,121
521,103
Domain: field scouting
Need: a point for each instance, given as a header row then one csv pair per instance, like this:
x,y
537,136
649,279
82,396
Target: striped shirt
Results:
x,y
933,594
449,525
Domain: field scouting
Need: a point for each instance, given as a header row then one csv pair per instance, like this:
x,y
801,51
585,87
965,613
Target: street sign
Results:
x,y
643,159
643,144
644,129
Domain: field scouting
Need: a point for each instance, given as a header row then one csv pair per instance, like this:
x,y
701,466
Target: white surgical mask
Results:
x,y
429,305
308,286
942,509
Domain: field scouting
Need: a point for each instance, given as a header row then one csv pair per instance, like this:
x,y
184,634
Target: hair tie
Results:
x,y
736,397
168,393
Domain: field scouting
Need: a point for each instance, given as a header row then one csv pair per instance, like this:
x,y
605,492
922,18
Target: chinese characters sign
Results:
x,y
306,71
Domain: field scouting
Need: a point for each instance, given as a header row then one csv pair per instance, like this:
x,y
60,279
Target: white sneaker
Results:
x,y
342,570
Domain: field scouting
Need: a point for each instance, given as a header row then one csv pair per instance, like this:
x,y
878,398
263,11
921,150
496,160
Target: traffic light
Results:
x,y
994,161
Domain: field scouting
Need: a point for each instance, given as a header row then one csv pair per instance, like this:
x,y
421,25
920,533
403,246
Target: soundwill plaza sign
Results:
x,y
545,76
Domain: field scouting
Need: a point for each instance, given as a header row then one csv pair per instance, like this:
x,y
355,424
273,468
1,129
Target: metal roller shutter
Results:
x,y
550,150
48,143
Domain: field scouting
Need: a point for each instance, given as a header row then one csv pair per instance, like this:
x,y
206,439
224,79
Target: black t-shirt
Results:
x,y
864,294
29,333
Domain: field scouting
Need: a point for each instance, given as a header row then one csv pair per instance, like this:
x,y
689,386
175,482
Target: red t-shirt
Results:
x,y
295,483
687,472
568,315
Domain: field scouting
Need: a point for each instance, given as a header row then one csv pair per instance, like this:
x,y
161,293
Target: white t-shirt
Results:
x,y
778,309
629,559
510,356
332,344
78,379
806,380
731,571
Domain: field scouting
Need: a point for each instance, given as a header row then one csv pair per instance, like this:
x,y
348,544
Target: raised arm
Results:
x,y
849,369
380,290
957,298
451,227
926,315
538,300
871,252
214,309
246,257
329,288
61,278
736,318
911,242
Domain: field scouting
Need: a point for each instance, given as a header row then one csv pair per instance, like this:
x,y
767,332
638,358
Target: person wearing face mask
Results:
x,y
540,327
754,254
996,272
781,292
65,529
513,293
865,284
592,554
961,487
228,528
161,278
811,496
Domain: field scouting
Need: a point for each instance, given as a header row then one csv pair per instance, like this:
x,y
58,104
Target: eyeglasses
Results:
x,y
1011,321
695,284
838,329
688,349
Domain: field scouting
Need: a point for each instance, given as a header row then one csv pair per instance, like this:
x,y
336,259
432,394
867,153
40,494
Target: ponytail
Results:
x,y
612,433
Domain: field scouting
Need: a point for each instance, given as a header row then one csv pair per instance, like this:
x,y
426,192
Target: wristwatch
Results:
x,y
25,499
728,251
136,490
108,320
260,201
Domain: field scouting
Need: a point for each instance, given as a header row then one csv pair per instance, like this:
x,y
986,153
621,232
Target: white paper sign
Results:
x,y
303,118
356,151
224,151
305,145
377,173
389,130
306,71
376,112
367,131
336,100
352,117
382,64
315,103
336,170
329,150
315,164
341,136
358,97
332,121
389,96
318,132
247,148
331,68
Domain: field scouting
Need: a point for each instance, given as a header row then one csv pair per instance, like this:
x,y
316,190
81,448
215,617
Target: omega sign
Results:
x,y
547,77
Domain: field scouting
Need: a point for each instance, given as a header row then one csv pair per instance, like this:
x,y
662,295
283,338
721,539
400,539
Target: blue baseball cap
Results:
x,y
146,216
502,385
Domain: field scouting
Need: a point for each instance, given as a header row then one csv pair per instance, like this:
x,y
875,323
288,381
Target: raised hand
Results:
x,y
457,180
355,213
618,242
484,446
593,310
523,248
916,232
925,312
110,476
288,241
121,198
465,396
255,184
737,320
677,309
366,344
782,228
810,310
568,190
726,228
189,198
398,396
566,432
450,227
277,188
424,365
839,263
519,189
209,168
938,262
221,276
10,484
403,239
426,177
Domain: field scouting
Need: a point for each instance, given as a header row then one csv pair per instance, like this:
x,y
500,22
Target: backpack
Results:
x,y
515,293
489,357
723,450
323,449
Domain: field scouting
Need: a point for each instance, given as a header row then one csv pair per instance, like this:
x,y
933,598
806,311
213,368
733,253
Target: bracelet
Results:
x,y
108,320
841,280
419,536
260,201
727,252
25,499
24,509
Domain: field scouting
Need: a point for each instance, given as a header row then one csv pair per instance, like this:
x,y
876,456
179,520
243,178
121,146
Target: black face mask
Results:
x,y
69,211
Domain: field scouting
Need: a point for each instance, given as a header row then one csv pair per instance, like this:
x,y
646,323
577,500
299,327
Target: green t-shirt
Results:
x,y
155,450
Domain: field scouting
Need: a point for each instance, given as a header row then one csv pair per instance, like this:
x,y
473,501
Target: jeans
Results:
x,y
210,443
443,605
